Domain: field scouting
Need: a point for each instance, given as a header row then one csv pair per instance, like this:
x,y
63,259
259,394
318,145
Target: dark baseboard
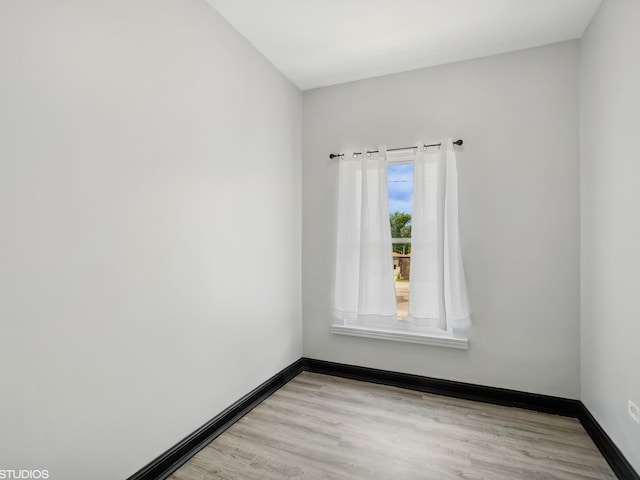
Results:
x,y
467,391
172,459
612,454
500,396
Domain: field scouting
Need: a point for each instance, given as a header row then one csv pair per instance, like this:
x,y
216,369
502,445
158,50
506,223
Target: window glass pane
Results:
x,y
400,178
401,274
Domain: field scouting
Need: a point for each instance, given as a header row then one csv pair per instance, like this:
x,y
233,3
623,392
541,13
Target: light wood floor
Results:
x,y
323,427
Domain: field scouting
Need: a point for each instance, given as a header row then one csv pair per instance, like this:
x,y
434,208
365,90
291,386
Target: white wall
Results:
x,y
149,229
518,171
610,224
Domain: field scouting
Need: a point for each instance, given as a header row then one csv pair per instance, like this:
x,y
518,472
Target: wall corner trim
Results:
x,y
612,454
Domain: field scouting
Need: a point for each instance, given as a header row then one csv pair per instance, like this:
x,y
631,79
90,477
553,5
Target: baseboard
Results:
x,y
612,454
176,456
172,459
468,391
499,396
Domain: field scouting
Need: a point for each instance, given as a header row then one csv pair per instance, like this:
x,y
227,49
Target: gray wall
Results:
x,y
149,229
518,171
610,223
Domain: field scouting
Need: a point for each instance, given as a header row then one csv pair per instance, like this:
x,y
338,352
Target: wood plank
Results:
x,y
325,427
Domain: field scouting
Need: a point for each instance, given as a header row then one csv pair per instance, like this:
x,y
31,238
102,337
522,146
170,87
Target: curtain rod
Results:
x,y
334,155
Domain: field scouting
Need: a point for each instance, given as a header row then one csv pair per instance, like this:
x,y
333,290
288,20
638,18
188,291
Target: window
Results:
x,y
399,271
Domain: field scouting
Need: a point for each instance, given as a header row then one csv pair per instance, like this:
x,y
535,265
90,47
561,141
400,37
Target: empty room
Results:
x,y
319,239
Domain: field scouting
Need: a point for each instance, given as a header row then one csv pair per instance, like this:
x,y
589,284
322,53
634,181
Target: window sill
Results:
x,y
398,335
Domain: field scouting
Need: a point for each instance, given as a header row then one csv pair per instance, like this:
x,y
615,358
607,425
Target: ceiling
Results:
x,y
323,42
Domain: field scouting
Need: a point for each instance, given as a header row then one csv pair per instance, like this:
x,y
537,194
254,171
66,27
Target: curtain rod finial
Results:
x,y
458,142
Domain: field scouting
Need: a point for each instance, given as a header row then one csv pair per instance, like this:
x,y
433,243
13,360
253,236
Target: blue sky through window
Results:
x,y
400,178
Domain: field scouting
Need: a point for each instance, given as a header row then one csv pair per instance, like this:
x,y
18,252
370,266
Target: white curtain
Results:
x,y
438,291
364,285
